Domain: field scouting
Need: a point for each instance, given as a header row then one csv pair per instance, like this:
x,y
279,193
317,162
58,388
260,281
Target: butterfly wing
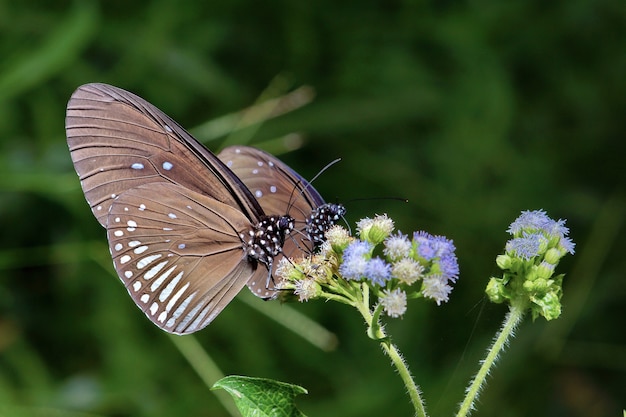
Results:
x,y
176,216
181,263
118,141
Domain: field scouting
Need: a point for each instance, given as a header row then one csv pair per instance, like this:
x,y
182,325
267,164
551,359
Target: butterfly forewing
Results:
x,y
181,263
119,141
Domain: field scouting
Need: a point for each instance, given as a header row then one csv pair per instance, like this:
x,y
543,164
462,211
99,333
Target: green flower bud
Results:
x,y
553,256
504,261
496,290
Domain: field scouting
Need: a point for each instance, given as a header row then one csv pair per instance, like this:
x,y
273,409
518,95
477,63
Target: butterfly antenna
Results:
x,y
307,184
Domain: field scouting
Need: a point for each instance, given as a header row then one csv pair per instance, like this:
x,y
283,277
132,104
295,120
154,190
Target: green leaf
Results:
x,y
260,397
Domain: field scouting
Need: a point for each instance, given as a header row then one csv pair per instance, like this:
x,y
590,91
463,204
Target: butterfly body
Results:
x,y
279,189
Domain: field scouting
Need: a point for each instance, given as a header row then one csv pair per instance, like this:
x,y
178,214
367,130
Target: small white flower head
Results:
x,y
394,302
397,247
375,230
437,288
306,289
286,271
338,238
407,270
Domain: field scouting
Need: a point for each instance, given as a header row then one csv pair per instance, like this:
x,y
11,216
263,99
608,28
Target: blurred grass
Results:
x,y
471,111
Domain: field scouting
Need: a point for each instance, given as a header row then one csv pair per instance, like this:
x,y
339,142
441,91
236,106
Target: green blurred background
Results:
x,y
473,111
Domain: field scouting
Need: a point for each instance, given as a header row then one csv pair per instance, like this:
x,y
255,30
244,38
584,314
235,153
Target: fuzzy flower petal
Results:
x,y
407,270
378,271
527,246
436,287
375,230
394,302
397,247
355,260
306,289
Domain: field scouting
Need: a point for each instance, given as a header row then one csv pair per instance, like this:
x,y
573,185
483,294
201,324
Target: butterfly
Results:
x,y
279,189
185,233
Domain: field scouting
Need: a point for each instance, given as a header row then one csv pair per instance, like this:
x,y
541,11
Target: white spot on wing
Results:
x,y
258,193
154,307
142,207
124,259
168,129
144,298
118,246
137,285
156,269
128,274
134,243
182,246
140,250
118,233
176,296
171,215
143,262
131,223
167,165
170,285
162,317
273,189
137,165
181,308
187,318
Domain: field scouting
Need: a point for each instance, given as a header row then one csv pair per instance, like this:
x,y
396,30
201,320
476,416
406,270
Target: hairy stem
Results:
x,y
511,321
396,358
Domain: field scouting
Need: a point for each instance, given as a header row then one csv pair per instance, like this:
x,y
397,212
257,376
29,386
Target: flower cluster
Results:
x,y
528,263
391,266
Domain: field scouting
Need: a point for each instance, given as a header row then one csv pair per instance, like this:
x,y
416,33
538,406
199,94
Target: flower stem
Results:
x,y
511,321
396,358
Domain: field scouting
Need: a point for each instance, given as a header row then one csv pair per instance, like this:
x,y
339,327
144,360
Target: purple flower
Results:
x,y
528,246
567,245
426,246
377,271
449,267
355,259
538,220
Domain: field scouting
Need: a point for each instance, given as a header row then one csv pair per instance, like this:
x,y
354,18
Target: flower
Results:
x,y
375,230
528,246
407,270
377,271
338,238
397,247
306,289
394,302
355,259
449,266
529,263
436,287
